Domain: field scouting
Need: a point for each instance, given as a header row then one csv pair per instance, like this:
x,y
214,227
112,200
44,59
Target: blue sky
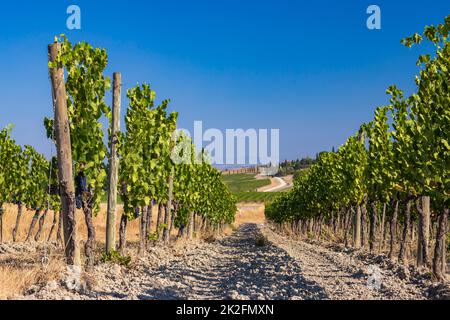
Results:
x,y
311,69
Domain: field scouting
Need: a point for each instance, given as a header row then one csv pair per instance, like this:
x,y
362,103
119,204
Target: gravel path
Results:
x,y
279,185
344,276
252,263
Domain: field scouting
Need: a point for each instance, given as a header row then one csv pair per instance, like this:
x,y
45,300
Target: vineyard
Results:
x,y
387,188
149,165
139,212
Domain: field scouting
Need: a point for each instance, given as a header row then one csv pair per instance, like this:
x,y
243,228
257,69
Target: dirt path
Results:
x,y
343,276
276,184
240,266
280,184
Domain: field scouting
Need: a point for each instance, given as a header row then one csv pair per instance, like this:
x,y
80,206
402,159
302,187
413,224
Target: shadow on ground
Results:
x,y
235,268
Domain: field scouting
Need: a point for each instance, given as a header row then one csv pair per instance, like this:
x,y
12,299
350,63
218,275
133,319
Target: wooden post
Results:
x,y
142,231
357,240
113,165
148,228
64,154
166,233
423,252
191,226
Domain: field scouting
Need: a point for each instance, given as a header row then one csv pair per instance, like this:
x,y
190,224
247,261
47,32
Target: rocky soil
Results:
x,y
252,263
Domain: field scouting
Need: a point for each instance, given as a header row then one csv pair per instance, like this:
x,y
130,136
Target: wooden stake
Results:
x,y
166,232
113,165
64,154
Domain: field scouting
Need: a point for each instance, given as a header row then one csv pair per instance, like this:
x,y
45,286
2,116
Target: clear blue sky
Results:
x,y
310,68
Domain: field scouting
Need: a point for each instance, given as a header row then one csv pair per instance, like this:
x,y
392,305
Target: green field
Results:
x,y
244,182
244,186
255,196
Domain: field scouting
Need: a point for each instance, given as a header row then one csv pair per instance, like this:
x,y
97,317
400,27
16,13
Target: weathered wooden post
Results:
x,y
142,231
64,155
191,226
166,232
357,225
113,166
423,252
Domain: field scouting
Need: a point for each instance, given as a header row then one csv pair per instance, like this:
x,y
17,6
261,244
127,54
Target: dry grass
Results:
x,y
249,212
15,278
